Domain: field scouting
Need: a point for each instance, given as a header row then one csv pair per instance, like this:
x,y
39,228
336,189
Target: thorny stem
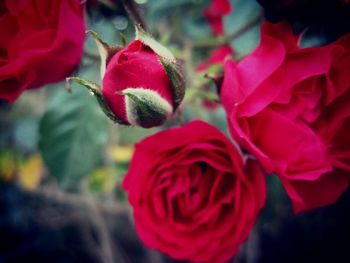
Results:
x,y
134,12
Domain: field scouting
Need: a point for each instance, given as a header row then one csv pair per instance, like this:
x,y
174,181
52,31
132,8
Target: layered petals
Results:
x,y
193,198
286,106
41,43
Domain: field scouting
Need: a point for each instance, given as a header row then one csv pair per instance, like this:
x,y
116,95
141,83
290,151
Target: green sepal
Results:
x,y
174,71
106,52
158,48
146,110
171,66
95,90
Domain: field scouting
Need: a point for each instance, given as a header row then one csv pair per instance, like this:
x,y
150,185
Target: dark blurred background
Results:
x,y
46,227
49,213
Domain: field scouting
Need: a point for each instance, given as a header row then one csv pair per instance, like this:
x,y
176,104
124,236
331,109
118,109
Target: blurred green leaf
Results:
x,y
72,133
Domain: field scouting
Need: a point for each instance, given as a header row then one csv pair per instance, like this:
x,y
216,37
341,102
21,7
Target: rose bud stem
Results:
x,y
142,83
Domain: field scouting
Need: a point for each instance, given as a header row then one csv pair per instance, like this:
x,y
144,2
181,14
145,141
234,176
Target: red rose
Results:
x,y
41,42
216,57
138,70
192,195
215,12
290,108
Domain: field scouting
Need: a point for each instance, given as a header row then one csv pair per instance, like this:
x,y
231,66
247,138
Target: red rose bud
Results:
x,y
136,86
141,84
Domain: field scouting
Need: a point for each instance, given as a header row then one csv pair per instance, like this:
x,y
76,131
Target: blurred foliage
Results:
x,y
30,172
26,172
53,137
244,12
102,180
167,13
72,135
120,154
7,165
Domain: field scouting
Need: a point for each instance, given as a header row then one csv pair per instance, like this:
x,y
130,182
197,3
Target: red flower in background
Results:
x,y
290,108
217,56
193,197
215,12
41,42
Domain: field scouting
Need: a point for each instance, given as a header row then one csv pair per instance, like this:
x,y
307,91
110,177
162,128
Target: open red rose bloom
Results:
x,y
41,42
289,107
193,198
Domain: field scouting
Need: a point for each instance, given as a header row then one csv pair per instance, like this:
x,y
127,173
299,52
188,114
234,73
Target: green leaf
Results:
x,y
106,52
72,134
157,47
